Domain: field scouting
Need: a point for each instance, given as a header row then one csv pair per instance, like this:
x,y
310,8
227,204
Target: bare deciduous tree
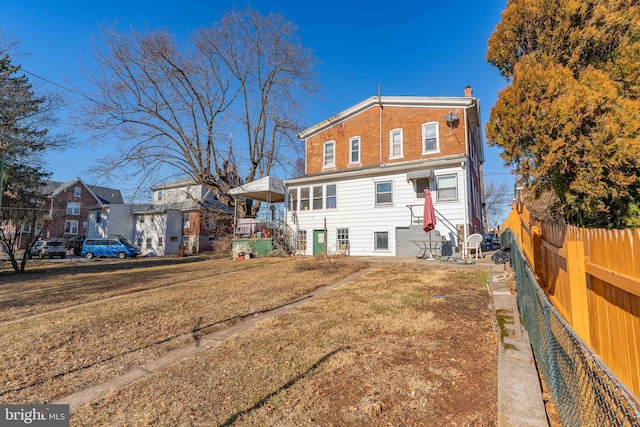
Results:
x,y
497,197
224,110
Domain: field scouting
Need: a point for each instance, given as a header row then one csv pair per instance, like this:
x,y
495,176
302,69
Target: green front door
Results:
x,y
318,242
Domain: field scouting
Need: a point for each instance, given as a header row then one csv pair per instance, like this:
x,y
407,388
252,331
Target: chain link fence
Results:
x,y
584,391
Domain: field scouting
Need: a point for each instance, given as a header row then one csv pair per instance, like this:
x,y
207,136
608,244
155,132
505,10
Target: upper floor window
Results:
x,y
384,193
98,217
395,137
447,188
317,197
73,208
354,150
77,191
159,195
186,220
71,227
330,200
293,199
304,199
329,153
430,138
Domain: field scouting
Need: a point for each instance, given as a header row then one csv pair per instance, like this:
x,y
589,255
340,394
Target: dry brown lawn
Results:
x,y
407,344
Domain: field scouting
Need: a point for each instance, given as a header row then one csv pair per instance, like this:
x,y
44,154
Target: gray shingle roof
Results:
x,y
105,195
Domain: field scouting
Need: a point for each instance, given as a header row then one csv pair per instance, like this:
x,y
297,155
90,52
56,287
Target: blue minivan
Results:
x,y
120,247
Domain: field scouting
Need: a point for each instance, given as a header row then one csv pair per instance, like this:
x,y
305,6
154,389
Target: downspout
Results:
x,y
465,175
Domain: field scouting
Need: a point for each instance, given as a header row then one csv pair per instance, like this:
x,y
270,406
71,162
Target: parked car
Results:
x,y
120,247
491,241
47,249
75,243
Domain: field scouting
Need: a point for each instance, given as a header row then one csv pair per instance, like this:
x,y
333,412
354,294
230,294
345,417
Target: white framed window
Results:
x,y
139,242
447,188
149,244
317,197
381,240
302,240
159,241
141,219
304,199
342,239
384,193
354,150
293,199
73,208
71,227
430,143
395,138
330,201
98,217
186,220
26,228
159,195
329,153
77,191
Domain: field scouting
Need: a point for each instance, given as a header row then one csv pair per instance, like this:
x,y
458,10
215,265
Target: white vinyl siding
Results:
x,y
356,212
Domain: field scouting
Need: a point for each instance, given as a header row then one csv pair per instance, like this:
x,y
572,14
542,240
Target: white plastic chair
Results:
x,y
474,242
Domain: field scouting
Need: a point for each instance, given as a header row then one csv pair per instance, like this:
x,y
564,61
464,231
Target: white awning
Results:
x,y
426,173
267,189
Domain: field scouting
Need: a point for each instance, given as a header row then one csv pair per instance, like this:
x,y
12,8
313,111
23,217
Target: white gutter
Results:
x,y
391,101
389,168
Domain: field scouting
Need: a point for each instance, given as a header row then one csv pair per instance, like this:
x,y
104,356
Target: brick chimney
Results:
x,y
468,92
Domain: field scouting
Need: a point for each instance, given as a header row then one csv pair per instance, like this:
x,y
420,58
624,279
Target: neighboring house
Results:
x,y
366,169
68,207
175,217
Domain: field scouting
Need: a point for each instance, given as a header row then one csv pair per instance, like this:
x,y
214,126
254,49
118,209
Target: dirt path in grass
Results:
x,y
85,396
404,345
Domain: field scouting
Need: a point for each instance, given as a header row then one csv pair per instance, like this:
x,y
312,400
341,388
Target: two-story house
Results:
x,y
68,208
367,167
180,214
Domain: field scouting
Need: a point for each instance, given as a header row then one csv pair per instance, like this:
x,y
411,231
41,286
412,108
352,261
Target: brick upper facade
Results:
x,y
374,129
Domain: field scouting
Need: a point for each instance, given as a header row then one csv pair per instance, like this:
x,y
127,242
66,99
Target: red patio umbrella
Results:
x,y
429,216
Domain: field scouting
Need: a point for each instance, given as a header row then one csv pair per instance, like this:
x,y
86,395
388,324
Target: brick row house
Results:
x,y
366,169
176,217
68,208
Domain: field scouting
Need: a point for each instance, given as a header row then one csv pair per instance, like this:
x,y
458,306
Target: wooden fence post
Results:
x,y
536,252
578,290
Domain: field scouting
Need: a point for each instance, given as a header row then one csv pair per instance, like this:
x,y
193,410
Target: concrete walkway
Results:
x,y
520,401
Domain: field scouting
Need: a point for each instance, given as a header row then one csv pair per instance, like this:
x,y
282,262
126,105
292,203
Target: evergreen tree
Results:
x,y
569,121
24,135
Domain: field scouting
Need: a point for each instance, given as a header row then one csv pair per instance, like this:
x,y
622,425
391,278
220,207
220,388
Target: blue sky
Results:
x,y
419,48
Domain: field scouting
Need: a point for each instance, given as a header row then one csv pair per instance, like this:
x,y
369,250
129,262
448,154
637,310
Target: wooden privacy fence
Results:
x,y
592,278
